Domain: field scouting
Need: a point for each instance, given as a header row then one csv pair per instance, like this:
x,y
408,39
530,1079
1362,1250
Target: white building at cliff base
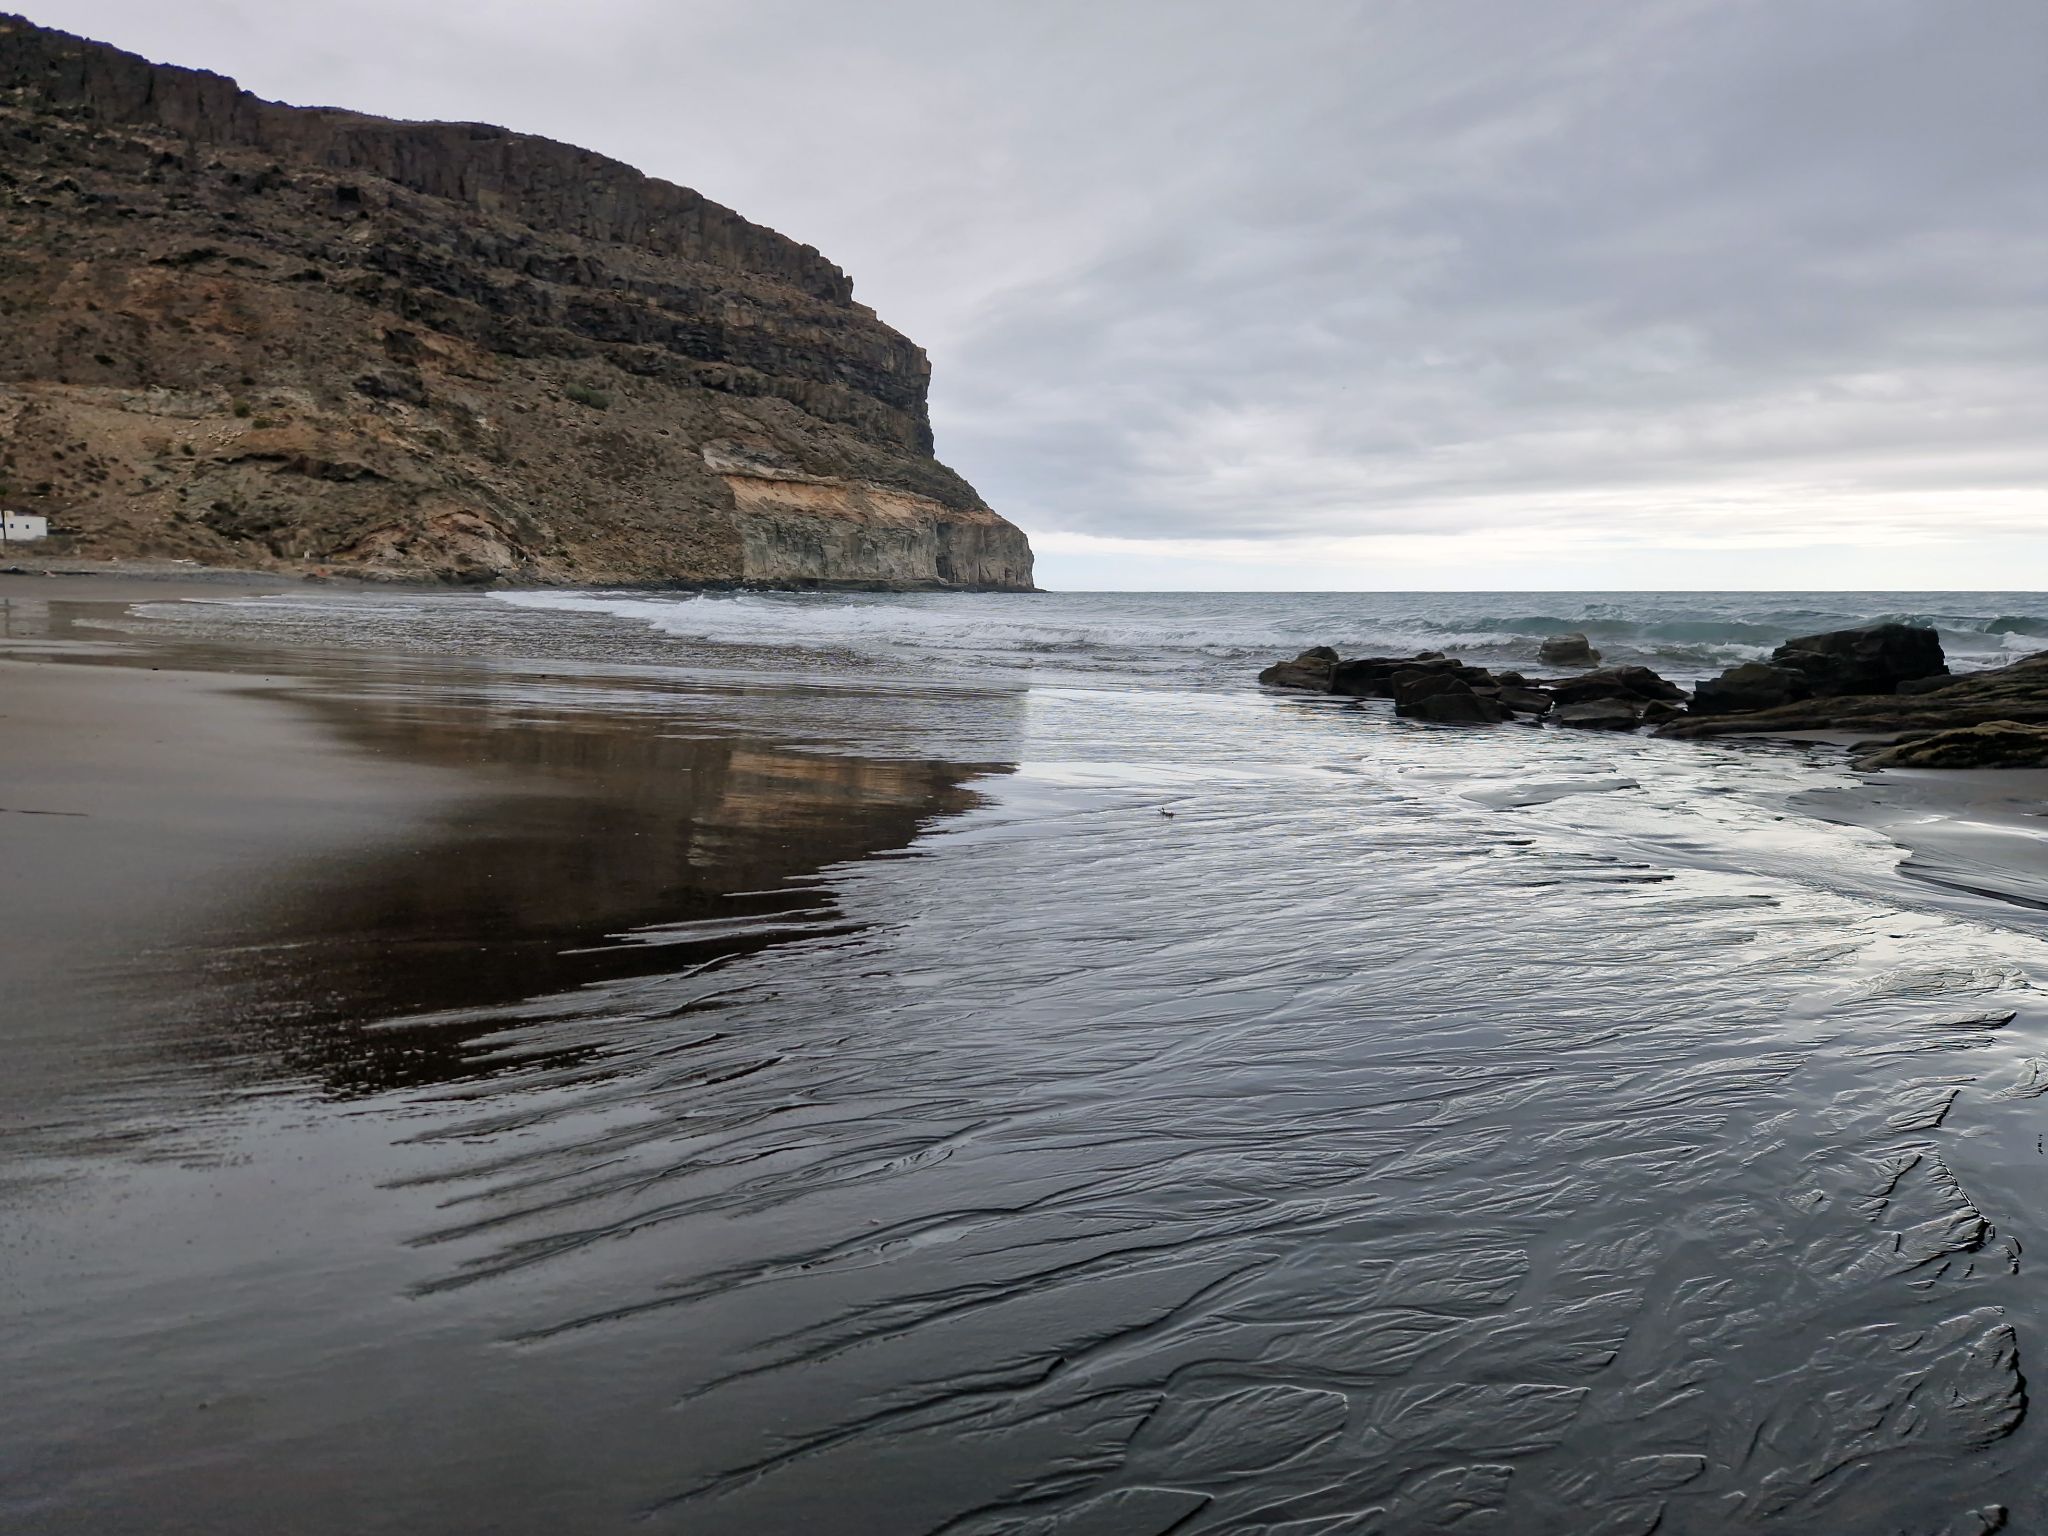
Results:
x,y
17,527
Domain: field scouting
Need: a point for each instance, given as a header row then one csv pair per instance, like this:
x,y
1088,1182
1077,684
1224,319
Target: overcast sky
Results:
x,y
1390,294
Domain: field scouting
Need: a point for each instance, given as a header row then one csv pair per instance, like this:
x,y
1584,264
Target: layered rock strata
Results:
x,y
259,335
1995,744
2016,694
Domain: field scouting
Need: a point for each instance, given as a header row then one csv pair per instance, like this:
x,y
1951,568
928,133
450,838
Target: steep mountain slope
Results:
x,y
260,335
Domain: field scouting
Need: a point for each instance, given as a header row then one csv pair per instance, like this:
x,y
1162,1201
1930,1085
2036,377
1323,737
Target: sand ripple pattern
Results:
x,y
1358,1149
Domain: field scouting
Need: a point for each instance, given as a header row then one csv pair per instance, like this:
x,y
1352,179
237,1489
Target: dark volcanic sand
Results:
x,y
1411,1132
203,861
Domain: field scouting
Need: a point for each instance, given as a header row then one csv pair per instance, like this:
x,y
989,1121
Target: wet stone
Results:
x,y
1615,714
1569,650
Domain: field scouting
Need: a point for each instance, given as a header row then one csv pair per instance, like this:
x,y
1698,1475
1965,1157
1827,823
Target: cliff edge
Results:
x,y
259,335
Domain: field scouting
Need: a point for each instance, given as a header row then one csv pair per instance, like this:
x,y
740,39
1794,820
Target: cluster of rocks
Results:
x,y
1883,678
1444,690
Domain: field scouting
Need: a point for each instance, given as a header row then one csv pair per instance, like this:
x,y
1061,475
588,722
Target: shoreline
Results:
x,y
1978,833
14,561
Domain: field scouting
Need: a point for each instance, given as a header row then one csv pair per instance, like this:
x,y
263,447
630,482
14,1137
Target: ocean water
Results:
x,y
1243,1113
1211,636
1171,638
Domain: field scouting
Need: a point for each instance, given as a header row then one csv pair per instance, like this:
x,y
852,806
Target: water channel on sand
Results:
x,y
1412,1131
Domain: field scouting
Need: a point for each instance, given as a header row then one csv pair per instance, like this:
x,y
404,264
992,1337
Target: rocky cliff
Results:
x,y
261,335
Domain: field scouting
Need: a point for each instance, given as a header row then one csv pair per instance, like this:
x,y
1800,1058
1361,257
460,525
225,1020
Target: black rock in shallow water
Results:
x,y
1876,659
1599,715
1372,677
1634,683
1526,701
1753,685
2016,693
1444,690
1412,686
1454,705
1573,650
1873,659
1310,671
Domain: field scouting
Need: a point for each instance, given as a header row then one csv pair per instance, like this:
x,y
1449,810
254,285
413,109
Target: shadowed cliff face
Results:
x,y
262,335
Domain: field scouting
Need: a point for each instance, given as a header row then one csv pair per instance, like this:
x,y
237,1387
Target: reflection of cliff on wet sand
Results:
x,y
609,848
202,862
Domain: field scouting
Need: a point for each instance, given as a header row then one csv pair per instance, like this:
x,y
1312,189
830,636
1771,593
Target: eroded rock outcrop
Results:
x,y
1443,690
1994,744
1989,719
252,334
1638,685
1876,658
2018,693
1842,663
1752,685
1310,671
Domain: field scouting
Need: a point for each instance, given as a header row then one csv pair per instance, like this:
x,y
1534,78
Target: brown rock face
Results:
x,y
261,335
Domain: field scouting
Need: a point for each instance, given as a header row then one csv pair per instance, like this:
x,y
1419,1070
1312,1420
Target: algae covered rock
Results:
x,y
1572,650
1993,744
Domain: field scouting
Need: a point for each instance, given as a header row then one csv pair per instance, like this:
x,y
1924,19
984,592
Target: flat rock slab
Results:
x,y
1598,715
1993,744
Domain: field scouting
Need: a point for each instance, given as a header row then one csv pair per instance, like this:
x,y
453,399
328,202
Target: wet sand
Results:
x,y
268,865
305,868
237,886
1981,833
145,813
1370,1145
